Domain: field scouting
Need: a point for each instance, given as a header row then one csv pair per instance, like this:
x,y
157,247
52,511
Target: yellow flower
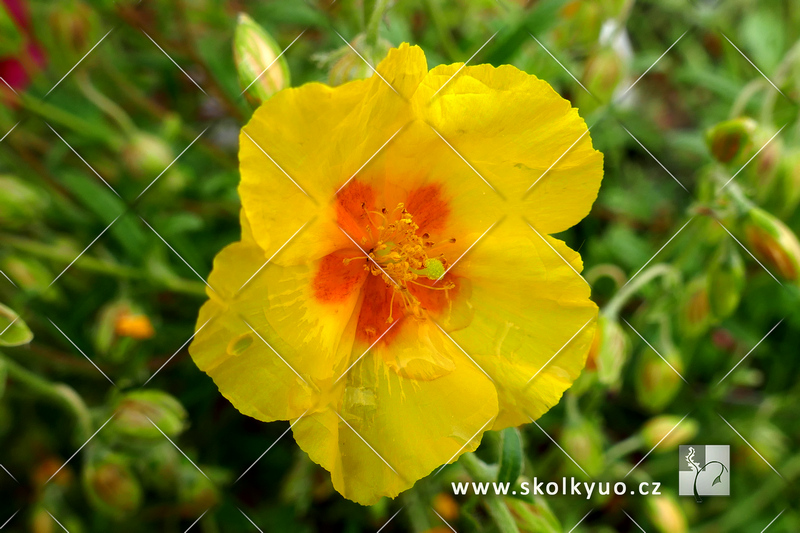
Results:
x,y
391,365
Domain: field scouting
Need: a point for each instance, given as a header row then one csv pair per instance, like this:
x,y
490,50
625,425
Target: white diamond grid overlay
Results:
x,y
193,81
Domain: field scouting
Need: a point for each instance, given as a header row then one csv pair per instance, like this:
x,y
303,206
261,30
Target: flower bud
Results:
x,y
30,275
73,25
695,314
580,25
773,243
531,517
730,140
656,383
15,331
346,65
196,492
118,324
603,72
612,351
666,514
726,280
770,442
787,188
159,466
254,51
146,155
111,486
446,505
138,411
583,441
20,203
135,326
671,430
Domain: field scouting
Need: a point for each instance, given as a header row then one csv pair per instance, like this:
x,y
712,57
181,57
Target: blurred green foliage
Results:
x,y
685,244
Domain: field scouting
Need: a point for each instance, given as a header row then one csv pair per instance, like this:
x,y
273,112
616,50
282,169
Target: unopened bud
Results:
x,y
580,25
347,65
773,243
668,432
613,350
657,381
73,24
135,326
771,443
111,486
196,492
20,203
761,173
530,517
146,155
695,314
159,466
583,441
603,72
254,52
139,412
118,323
666,514
28,273
726,281
446,505
732,139
787,189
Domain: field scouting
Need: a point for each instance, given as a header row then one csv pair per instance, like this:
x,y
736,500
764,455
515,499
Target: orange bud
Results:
x,y
135,326
773,242
446,506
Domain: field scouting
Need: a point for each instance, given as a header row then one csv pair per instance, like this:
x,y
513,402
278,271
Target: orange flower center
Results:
x,y
399,256
399,269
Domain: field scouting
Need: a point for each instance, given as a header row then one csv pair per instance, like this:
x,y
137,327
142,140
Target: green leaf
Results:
x,y
718,479
13,330
512,457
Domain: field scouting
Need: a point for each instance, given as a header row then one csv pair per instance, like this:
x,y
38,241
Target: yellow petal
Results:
x,y
529,306
388,431
274,338
516,130
303,144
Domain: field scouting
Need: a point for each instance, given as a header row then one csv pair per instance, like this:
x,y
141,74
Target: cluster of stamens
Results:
x,y
400,256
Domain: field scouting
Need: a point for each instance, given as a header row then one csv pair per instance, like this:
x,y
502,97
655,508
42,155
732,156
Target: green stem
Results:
x,y
476,468
101,101
499,512
374,23
497,508
744,97
623,448
58,393
622,296
615,273
417,513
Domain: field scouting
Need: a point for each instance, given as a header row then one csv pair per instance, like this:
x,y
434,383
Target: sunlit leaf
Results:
x,y
13,330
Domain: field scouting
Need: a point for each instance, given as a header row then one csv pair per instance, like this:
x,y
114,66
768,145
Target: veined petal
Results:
x,y
276,332
517,131
388,431
528,304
